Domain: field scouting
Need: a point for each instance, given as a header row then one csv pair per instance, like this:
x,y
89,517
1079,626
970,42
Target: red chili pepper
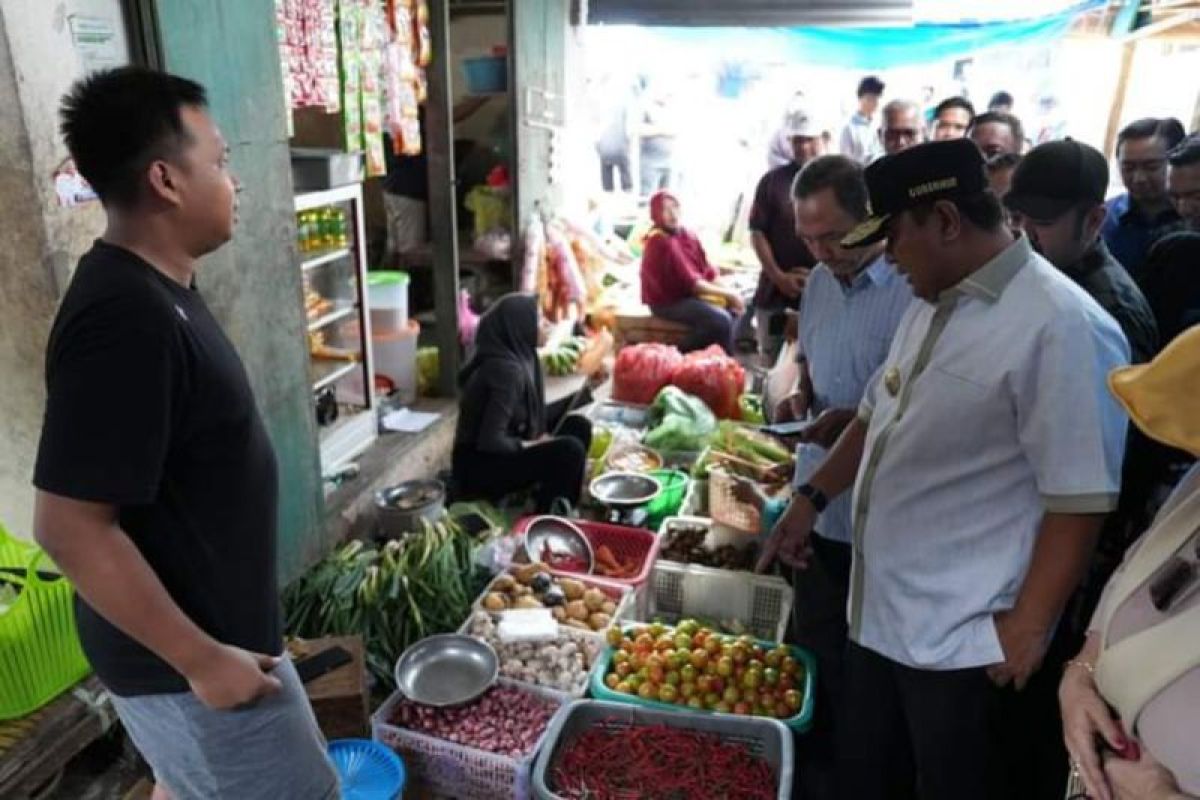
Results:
x,y
660,763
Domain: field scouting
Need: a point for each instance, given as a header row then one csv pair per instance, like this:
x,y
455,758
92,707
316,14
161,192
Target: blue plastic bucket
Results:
x,y
486,74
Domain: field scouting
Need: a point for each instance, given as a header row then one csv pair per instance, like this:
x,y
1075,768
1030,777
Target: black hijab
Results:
x,y
509,330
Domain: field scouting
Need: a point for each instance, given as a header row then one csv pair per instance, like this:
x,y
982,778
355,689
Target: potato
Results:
x,y
576,609
504,583
559,613
609,607
527,602
574,623
594,599
494,601
599,621
572,589
520,590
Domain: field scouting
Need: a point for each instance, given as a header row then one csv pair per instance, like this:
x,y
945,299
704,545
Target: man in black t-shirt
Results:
x,y
784,258
157,484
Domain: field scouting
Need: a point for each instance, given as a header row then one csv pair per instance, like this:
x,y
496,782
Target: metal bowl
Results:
x,y
446,670
403,507
562,535
624,489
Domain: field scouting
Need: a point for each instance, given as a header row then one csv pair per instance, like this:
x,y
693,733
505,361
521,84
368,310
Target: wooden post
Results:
x,y
1118,104
443,211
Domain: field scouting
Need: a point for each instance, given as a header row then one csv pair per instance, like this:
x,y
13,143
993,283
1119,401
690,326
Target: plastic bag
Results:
x,y
641,370
715,378
680,422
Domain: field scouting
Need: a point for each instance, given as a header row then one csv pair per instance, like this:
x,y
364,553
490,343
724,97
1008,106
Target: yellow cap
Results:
x,y
1162,397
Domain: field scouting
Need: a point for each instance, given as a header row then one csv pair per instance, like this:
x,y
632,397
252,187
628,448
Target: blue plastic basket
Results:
x,y
369,770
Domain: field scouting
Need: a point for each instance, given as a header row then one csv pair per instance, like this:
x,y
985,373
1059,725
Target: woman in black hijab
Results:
x,y
501,443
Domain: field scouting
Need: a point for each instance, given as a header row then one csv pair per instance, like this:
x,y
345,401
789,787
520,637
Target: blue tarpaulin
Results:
x,y
880,48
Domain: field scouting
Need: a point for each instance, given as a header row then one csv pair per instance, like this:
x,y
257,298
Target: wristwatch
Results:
x,y
814,496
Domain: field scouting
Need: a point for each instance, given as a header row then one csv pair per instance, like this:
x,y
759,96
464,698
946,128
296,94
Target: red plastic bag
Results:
x,y
715,378
641,370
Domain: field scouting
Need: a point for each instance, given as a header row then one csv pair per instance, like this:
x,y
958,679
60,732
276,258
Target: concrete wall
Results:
x,y
39,241
253,284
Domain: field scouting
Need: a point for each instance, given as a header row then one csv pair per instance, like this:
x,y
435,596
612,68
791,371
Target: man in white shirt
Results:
x,y
852,303
984,457
860,137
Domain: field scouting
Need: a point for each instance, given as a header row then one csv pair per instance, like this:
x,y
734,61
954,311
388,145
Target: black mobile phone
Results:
x,y
785,429
314,666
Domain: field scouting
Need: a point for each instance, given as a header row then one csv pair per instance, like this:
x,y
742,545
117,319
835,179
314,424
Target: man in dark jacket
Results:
x,y
1057,199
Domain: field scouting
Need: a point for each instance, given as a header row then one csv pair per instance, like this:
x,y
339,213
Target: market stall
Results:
x,y
510,652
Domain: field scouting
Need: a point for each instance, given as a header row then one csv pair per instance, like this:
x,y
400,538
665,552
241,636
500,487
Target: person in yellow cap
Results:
x,y
1131,697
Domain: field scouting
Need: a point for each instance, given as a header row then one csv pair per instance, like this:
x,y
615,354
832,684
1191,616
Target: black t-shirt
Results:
x,y
149,409
772,216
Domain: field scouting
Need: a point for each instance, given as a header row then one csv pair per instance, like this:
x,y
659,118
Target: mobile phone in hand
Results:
x,y
787,429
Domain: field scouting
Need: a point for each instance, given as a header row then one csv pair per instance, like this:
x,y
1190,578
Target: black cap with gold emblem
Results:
x,y
916,176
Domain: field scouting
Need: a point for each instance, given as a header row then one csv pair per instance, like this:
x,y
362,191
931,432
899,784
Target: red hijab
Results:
x,y
657,201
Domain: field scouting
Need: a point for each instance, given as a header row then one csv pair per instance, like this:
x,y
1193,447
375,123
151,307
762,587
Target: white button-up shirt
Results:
x,y
990,411
860,139
845,333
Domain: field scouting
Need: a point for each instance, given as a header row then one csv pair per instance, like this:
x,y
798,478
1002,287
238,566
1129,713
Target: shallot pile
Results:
x,y
505,720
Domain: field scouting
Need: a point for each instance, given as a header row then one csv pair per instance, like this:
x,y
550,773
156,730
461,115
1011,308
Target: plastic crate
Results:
x,y
766,738
727,509
626,543
40,654
458,771
762,604
800,721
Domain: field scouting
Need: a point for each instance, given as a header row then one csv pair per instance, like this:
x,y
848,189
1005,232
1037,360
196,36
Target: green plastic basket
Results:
x,y
799,722
674,486
40,655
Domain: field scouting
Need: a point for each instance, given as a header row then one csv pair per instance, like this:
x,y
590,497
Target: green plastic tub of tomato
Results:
x,y
652,666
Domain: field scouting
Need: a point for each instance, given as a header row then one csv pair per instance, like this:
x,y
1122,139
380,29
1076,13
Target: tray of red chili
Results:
x,y
602,751
620,554
692,668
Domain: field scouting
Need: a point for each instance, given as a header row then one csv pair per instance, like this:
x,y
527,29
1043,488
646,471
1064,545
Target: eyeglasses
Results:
x,y
1144,167
831,239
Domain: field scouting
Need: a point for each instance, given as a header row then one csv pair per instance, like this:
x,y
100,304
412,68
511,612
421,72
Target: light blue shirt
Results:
x,y
845,333
990,411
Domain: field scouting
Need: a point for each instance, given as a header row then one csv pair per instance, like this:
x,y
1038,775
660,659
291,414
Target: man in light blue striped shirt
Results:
x,y
848,315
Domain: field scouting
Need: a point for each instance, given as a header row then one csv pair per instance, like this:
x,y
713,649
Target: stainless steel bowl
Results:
x,y
562,536
402,507
446,670
624,489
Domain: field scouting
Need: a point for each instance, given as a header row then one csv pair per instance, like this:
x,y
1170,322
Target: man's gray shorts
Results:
x,y
272,751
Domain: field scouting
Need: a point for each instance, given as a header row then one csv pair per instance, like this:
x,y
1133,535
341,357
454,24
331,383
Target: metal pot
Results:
x,y
401,508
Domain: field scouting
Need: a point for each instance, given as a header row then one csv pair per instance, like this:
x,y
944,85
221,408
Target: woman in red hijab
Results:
x,y
676,273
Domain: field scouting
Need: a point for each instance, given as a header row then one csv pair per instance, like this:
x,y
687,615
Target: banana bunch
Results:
x,y
563,358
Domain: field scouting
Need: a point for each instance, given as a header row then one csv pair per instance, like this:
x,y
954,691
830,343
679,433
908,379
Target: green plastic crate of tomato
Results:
x,y
690,667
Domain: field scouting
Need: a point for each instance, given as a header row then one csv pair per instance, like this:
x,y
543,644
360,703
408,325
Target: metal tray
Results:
x,y
446,670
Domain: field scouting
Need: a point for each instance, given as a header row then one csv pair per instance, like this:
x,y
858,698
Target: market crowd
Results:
x,y
995,570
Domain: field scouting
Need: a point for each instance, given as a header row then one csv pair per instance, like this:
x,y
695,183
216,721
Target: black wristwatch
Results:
x,y
814,495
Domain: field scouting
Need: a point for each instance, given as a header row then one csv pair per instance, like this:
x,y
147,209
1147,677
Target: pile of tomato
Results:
x,y
695,667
